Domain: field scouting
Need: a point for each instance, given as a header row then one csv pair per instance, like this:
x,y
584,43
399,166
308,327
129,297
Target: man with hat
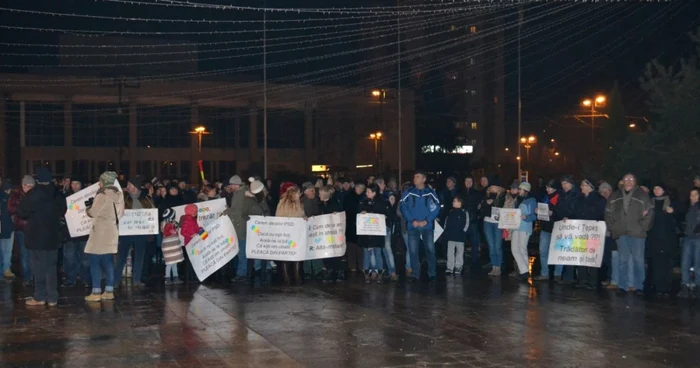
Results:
x,y
134,198
238,189
564,210
590,206
234,184
42,208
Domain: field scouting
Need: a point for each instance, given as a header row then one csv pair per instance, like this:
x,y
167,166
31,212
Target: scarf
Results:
x,y
626,199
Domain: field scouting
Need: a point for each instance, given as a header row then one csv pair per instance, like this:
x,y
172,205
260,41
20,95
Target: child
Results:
x,y
172,249
189,226
373,245
456,226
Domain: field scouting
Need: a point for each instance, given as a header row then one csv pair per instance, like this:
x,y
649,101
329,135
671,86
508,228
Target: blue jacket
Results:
x,y
527,209
6,225
456,225
420,205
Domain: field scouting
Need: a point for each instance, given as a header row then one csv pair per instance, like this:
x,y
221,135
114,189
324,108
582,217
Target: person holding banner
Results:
x,y
372,260
105,210
328,205
590,206
290,206
527,204
420,207
493,200
546,227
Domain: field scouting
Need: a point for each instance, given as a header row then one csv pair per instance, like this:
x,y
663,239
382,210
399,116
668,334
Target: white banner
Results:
x,y
293,239
142,221
543,211
577,243
509,218
79,223
216,246
371,224
207,212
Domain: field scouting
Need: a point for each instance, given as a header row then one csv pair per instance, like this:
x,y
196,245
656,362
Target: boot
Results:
x,y
299,272
285,273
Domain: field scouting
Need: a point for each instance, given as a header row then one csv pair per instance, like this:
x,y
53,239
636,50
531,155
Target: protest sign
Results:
x,y
577,243
371,224
77,220
276,238
207,212
438,231
509,218
142,221
326,236
495,213
213,248
543,212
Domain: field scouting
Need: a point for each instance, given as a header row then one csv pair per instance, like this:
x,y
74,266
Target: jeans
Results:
x,y
99,263
138,242
414,240
690,258
6,252
75,262
545,239
495,242
24,256
615,268
260,264
388,254
242,269
372,259
519,249
631,249
473,238
171,270
45,263
408,253
455,261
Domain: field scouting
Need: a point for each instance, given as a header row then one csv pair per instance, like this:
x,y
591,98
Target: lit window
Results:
x,y
472,29
453,28
474,125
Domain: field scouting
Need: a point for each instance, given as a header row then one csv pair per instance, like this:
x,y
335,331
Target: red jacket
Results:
x,y
188,228
16,197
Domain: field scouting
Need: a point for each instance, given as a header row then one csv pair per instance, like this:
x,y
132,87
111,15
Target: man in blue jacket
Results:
x,y
420,207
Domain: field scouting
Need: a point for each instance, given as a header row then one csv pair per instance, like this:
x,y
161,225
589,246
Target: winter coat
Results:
x,y
106,209
143,198
329,206
446,197
6,225
662,238
527,207
472,199
42,208
16,197
498,200
188,196
591,207
169,202
456,225
189,227
171,246
240,215
376,205
420,205
632,223
566,206
692,221
310,206
551,200
350,203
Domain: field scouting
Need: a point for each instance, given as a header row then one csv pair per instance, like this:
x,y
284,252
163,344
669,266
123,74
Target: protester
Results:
x,y
372,264
6,232
42,208
351,201
472,199
238,219
564,210
171,199
16,198
420,207
234,184
493,201
312,268
290,206
590,206
456,225
546,227
172,247
690,259
629,215
526,204
188,196
75,261
611,257
207,193
328,205
256,204
393,227
662,241
105,210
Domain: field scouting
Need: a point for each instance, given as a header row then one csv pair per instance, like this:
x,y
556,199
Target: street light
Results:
x,y
599,101
200,131
556,153
527,142
376,137
633,125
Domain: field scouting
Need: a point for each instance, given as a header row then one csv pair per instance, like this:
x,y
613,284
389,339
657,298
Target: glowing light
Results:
x,y
600,99
556,153
200,129
587,102
376,93
633,125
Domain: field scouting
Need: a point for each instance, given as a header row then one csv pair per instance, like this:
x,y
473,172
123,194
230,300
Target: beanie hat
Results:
x,y
108,178
307,185
285,187
568,179
452,179
525,186
256,186
28,180
605,185
136,181
514,185
43,175
168,215
589,182
551,184
659,184
191,210
235,180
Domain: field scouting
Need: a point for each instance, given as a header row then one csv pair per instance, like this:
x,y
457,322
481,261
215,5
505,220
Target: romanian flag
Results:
x,y
203,234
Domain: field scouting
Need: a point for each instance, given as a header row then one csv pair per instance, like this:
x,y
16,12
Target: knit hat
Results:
x,y
28,180
168,215
525,186
514,185
256,186
568,179
108,178
659,184
551,184
285,187
605,185
235,180
307,185
43,175
136,181
191,210
452,179
589,182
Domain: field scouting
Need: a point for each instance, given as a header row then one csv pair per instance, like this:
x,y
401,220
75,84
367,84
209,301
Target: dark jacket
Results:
x,y
472,199
16,197
376,205
566,206
329,206
6,225
633,222
42,208
188,196
551,200
497,201
350,203
446,197
169,201
310,206
591,207
692,221
663,236
456,225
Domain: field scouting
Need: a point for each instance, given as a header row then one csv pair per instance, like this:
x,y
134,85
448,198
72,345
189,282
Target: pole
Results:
x,y
199,135
593,124
381,124
265,89
520,101
398,35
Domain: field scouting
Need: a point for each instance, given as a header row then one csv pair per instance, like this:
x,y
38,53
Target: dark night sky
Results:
x,y
606,42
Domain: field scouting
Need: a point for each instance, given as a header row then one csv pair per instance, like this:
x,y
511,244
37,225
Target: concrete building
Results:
x,y
86,125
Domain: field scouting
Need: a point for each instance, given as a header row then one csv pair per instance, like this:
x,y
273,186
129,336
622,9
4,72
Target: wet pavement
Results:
x,y
469,321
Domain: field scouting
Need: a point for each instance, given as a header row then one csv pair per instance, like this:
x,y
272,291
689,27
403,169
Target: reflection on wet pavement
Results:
x,y
472,321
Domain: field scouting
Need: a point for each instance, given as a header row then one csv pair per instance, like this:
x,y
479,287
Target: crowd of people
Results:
x,y
647,229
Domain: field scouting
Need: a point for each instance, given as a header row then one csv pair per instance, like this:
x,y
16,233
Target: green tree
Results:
x,y
668,149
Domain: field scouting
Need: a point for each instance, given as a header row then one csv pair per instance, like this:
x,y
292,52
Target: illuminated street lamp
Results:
x,y
376,137
599,101
633,125
556,153
527,142
200,131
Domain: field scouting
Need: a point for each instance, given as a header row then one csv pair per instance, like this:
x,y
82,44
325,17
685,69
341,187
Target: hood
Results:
x,y
191,210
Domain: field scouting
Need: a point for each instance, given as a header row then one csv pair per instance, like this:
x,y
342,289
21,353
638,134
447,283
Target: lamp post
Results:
x,y
527,142
599,101
200,131
376,137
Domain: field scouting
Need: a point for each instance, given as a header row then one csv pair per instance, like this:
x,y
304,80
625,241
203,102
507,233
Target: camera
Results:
x,y
88,203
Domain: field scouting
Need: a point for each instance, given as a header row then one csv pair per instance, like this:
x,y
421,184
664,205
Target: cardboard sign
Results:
x,y
371,224
207,212
509,218
543,212
326,236
77,220
438,231
213,248
577,243
142,221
